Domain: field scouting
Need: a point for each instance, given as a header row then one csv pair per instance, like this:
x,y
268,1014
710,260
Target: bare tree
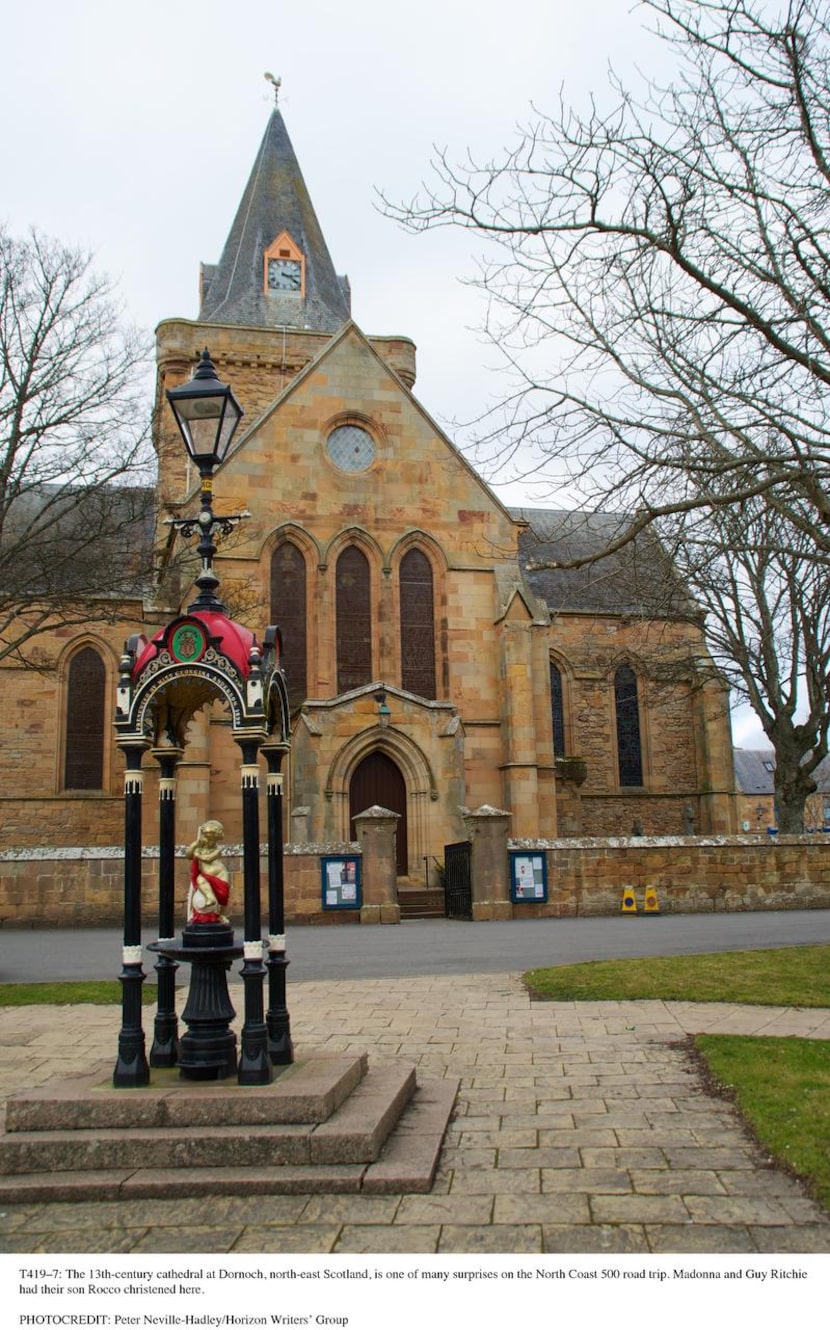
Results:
x,y
767,605
76,507
658,275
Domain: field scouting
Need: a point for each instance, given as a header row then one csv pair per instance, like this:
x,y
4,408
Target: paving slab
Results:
x,y
595,1239
716,1239
369,1238
490,1238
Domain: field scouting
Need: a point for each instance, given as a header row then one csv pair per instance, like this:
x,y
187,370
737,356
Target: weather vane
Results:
x,y
277,85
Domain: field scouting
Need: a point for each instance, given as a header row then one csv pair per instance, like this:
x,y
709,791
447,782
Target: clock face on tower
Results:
x,y
285,275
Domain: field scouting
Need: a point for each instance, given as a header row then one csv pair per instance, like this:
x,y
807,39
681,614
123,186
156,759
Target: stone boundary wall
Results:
x,y
691,875
83,887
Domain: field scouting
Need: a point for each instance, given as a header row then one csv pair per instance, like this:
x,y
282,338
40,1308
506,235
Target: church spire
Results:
x,y
275,269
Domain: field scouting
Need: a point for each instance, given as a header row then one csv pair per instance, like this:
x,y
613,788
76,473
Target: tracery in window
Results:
x,y
417,624
289,608
83,767
557,707
629,744
353,604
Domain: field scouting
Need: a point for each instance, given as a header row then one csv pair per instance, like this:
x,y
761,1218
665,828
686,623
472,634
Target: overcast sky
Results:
x,y
130,130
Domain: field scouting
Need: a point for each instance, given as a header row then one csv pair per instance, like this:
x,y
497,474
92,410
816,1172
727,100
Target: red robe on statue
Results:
x,y
220,889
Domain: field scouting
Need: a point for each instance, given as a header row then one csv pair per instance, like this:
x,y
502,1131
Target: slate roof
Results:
x,y
75,540
639,579
275,200
751,775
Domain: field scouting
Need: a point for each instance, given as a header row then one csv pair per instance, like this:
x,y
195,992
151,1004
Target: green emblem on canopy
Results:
x,y
188,642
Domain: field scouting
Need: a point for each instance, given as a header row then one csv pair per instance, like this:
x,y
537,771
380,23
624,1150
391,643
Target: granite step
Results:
x,y
353,1134
406,1162
356,1132
308,1091
409,1158
422,903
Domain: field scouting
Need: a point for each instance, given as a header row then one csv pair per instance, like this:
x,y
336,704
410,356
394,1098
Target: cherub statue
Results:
x,y
209,879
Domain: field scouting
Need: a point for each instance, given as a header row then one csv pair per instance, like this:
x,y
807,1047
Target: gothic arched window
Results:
x,y
83,767
353,595
417,625
557,707
289,599
629,745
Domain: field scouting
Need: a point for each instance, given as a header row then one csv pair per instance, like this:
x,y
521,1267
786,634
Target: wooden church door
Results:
x,y
378,780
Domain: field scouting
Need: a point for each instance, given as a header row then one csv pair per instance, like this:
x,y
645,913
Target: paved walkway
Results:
x,y
580,1127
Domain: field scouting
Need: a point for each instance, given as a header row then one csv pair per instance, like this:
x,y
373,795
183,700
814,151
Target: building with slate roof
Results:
x,y
755,786
439,657
638,579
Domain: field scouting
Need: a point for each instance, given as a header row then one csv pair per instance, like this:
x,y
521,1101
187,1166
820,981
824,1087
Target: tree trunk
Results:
x,y
790,799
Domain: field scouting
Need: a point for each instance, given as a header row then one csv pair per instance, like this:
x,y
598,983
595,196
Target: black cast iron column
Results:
x,y
131,1068
254,1063
280,1047
165,1049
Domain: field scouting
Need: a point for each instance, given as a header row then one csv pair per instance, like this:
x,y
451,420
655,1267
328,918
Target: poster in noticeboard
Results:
x,y
528,877
340,882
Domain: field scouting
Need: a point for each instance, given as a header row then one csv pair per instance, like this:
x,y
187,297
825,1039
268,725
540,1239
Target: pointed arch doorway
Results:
x,y
378,780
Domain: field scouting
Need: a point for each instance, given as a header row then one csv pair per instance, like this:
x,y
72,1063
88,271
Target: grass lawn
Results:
x,y
780,1086
102,993
782,977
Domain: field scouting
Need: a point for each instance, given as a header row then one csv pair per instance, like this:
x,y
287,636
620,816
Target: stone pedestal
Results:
x,y
376,829
487,829
208,1049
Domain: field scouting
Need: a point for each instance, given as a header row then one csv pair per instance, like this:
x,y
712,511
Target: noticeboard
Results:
x,y
340,881
528,877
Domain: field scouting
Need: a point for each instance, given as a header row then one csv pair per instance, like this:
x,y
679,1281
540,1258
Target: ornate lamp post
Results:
x,y
207,414
200,657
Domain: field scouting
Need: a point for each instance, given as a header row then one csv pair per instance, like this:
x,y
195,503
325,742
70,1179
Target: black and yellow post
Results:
x,y
629,901
651,905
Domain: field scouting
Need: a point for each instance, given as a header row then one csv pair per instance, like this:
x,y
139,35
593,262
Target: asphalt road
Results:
x,y
439,946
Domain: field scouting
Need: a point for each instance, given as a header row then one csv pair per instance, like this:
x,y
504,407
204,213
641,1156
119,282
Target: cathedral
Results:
x,y
440,654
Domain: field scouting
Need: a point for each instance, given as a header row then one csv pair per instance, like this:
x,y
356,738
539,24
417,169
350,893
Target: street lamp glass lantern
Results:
x,y
384,712
207,414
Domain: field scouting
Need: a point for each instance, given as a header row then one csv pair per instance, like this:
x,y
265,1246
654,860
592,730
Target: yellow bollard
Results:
x,y
651,905
629,901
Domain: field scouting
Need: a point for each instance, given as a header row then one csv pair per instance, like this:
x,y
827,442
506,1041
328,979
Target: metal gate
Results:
x,y
458,888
